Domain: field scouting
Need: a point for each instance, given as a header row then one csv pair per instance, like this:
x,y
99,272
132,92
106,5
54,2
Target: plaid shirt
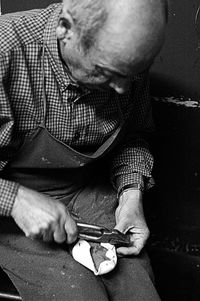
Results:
x,y
76,116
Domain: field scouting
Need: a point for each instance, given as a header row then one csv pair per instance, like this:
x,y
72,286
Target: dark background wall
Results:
x,y
177,69
19,5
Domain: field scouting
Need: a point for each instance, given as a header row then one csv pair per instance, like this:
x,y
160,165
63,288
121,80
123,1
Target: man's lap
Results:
x,y
43,271
48,272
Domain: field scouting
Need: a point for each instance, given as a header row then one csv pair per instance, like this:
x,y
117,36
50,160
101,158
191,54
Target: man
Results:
x,y
75,106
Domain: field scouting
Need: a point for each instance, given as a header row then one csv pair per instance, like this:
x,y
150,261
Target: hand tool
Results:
x,y
100,234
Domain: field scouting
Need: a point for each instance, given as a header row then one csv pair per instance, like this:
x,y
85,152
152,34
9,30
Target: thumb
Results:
x,y
123,227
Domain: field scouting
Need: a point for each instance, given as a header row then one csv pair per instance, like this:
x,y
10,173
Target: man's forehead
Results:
x,y
119,43
119,59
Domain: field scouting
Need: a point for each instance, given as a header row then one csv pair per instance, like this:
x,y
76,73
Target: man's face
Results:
x,y
108,65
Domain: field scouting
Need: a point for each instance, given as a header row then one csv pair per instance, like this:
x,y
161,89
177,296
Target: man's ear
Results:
x,y
65,28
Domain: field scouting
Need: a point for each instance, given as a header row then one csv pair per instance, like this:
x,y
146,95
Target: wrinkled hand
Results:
x,y
130,219
41,217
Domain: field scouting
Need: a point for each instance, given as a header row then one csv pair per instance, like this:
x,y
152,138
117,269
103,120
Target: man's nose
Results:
x,y
120,86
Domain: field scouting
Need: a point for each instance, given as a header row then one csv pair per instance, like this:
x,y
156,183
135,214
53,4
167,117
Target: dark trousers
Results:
x,y
44,272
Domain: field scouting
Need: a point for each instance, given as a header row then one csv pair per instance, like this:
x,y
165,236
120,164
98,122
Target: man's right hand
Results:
x,y
41,217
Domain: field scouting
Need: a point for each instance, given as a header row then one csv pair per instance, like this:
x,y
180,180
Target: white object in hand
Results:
x,y
81,252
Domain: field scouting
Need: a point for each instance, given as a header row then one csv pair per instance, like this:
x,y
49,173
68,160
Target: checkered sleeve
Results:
x,y
8,190
132,162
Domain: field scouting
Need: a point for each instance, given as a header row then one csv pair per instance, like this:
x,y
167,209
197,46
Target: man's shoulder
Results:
x,y
22,28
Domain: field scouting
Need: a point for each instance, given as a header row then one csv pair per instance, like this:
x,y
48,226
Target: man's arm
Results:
x,y
132,161
131,170
36,214
8,189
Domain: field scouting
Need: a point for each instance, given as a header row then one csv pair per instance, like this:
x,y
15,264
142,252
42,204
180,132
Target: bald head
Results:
x,y
106,40
135,27
137,19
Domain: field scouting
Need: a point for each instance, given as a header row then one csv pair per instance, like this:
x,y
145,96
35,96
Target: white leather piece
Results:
x,y
81,253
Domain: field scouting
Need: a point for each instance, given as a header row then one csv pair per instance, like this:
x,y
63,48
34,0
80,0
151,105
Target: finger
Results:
x,y
59,234
47,236
34,236
123,227
129,251
71,230
135,249
34,232
38,233
45,232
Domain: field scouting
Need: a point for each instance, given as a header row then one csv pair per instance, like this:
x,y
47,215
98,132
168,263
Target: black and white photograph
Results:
x,y
100,150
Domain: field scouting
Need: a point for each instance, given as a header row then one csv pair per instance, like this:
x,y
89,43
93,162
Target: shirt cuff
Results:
x,y
135,181
128,187
8,192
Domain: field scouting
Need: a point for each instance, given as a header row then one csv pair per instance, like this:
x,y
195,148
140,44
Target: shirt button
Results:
x,y
77,136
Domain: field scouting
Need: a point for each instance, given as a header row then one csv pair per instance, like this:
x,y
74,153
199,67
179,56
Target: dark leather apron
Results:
x,y
48,165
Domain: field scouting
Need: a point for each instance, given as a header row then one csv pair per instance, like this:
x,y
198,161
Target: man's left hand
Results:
x,y
130,219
